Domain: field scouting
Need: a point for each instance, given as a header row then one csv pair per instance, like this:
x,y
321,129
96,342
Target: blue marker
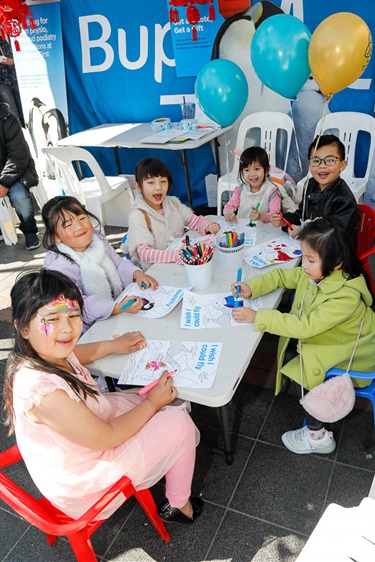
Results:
x,y
127,304
143,285
238,288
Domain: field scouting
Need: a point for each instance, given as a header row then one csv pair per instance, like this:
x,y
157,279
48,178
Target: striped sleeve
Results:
x,y
150,255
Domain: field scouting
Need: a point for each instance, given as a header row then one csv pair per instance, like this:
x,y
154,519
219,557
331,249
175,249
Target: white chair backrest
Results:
x,y
64,156
347,125
271,125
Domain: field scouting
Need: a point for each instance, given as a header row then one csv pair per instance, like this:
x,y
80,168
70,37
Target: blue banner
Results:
x,y
120,67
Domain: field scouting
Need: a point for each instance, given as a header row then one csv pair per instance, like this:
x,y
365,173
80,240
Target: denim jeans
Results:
x,y
22,202
311,422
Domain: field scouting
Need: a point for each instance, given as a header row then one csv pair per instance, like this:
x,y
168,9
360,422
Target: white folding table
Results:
x,y
130,135
239,342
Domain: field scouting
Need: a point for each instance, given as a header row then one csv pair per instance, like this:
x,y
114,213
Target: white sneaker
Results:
x,y
299,442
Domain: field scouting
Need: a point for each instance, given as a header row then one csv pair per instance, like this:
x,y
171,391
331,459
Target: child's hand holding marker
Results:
x,y
253,213
130,304
160,392
144,281
244,292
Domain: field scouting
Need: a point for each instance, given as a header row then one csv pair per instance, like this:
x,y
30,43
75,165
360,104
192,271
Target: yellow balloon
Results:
x,y
339,51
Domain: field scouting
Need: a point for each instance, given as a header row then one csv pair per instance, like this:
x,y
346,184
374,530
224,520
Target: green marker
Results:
x,y
256,208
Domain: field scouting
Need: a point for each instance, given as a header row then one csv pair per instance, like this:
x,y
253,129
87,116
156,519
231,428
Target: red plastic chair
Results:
x,y
47,518
366,239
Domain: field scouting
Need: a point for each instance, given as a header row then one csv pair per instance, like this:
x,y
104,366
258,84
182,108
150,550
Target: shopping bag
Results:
x,y
6,223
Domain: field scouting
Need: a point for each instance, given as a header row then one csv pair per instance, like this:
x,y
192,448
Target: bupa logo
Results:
x,y
101,42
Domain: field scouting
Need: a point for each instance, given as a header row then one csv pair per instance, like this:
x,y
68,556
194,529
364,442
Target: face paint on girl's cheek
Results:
x,y
44,326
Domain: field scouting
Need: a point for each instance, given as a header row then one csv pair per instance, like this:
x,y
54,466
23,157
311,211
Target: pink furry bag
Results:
x,y
333,399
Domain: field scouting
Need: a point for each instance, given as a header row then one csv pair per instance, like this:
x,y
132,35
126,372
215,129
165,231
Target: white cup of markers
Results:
x,y
196,254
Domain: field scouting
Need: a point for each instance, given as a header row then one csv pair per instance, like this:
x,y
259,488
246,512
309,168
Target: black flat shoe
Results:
x,y
171,514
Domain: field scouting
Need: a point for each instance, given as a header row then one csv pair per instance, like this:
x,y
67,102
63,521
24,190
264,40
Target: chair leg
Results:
x,y
51,539
147,503
82,547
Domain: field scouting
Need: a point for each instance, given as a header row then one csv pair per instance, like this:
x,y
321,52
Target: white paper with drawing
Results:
x,y
211,311
278,250
196,363
158,303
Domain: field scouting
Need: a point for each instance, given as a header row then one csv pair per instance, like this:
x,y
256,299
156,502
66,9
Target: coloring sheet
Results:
x,y
196,363
211,311
278,250
157,303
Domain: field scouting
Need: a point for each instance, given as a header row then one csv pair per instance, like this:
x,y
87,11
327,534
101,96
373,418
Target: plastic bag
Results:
x,y
6,223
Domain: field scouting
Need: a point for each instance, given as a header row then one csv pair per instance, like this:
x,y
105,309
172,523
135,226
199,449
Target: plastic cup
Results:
x,y
230,259
188,110
200,276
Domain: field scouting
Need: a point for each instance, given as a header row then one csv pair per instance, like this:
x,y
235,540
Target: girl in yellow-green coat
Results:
x,y
331,298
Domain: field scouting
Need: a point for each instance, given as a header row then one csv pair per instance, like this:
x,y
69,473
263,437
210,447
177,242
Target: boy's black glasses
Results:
x,y
328,161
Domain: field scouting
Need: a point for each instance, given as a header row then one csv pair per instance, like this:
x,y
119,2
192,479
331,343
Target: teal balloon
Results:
x,y
222,91
279,54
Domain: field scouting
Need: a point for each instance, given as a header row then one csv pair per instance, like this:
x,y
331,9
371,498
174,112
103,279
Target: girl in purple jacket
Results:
x,y
85,256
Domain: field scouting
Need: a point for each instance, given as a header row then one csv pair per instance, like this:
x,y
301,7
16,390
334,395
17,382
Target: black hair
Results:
x,y
152,168
254,155
326,140
334,246
54,212
31,291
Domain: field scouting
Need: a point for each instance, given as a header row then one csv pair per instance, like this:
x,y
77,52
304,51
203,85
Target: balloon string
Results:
x,y
325,110
295,136
227,143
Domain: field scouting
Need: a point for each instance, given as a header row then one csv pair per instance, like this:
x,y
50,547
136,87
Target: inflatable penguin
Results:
x,y
233,42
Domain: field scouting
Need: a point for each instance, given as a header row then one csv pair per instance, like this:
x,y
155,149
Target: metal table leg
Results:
x,y
224,418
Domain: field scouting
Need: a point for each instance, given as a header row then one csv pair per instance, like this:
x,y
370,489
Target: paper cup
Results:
x,y
200,276
230,259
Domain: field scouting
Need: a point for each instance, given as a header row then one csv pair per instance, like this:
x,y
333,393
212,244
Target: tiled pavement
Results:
x,y
260,509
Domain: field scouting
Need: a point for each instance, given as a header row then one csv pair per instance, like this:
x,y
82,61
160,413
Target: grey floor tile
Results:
x,y
12,530
189,543
214,478
279,486
247,410
358,425
348,485
34,547
244,539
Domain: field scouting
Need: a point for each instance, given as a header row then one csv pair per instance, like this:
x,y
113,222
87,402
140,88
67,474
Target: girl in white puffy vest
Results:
x,y
157,218
257,197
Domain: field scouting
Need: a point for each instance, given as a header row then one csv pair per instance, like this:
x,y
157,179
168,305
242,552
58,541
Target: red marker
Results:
x,y
288,224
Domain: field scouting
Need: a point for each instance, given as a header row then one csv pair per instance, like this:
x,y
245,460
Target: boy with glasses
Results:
x,y
326,194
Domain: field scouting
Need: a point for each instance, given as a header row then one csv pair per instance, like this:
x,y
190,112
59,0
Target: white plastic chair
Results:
x,y
346,125
110,198
271,130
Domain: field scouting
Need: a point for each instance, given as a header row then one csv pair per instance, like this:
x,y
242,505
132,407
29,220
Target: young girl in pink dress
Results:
x,y
76,443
